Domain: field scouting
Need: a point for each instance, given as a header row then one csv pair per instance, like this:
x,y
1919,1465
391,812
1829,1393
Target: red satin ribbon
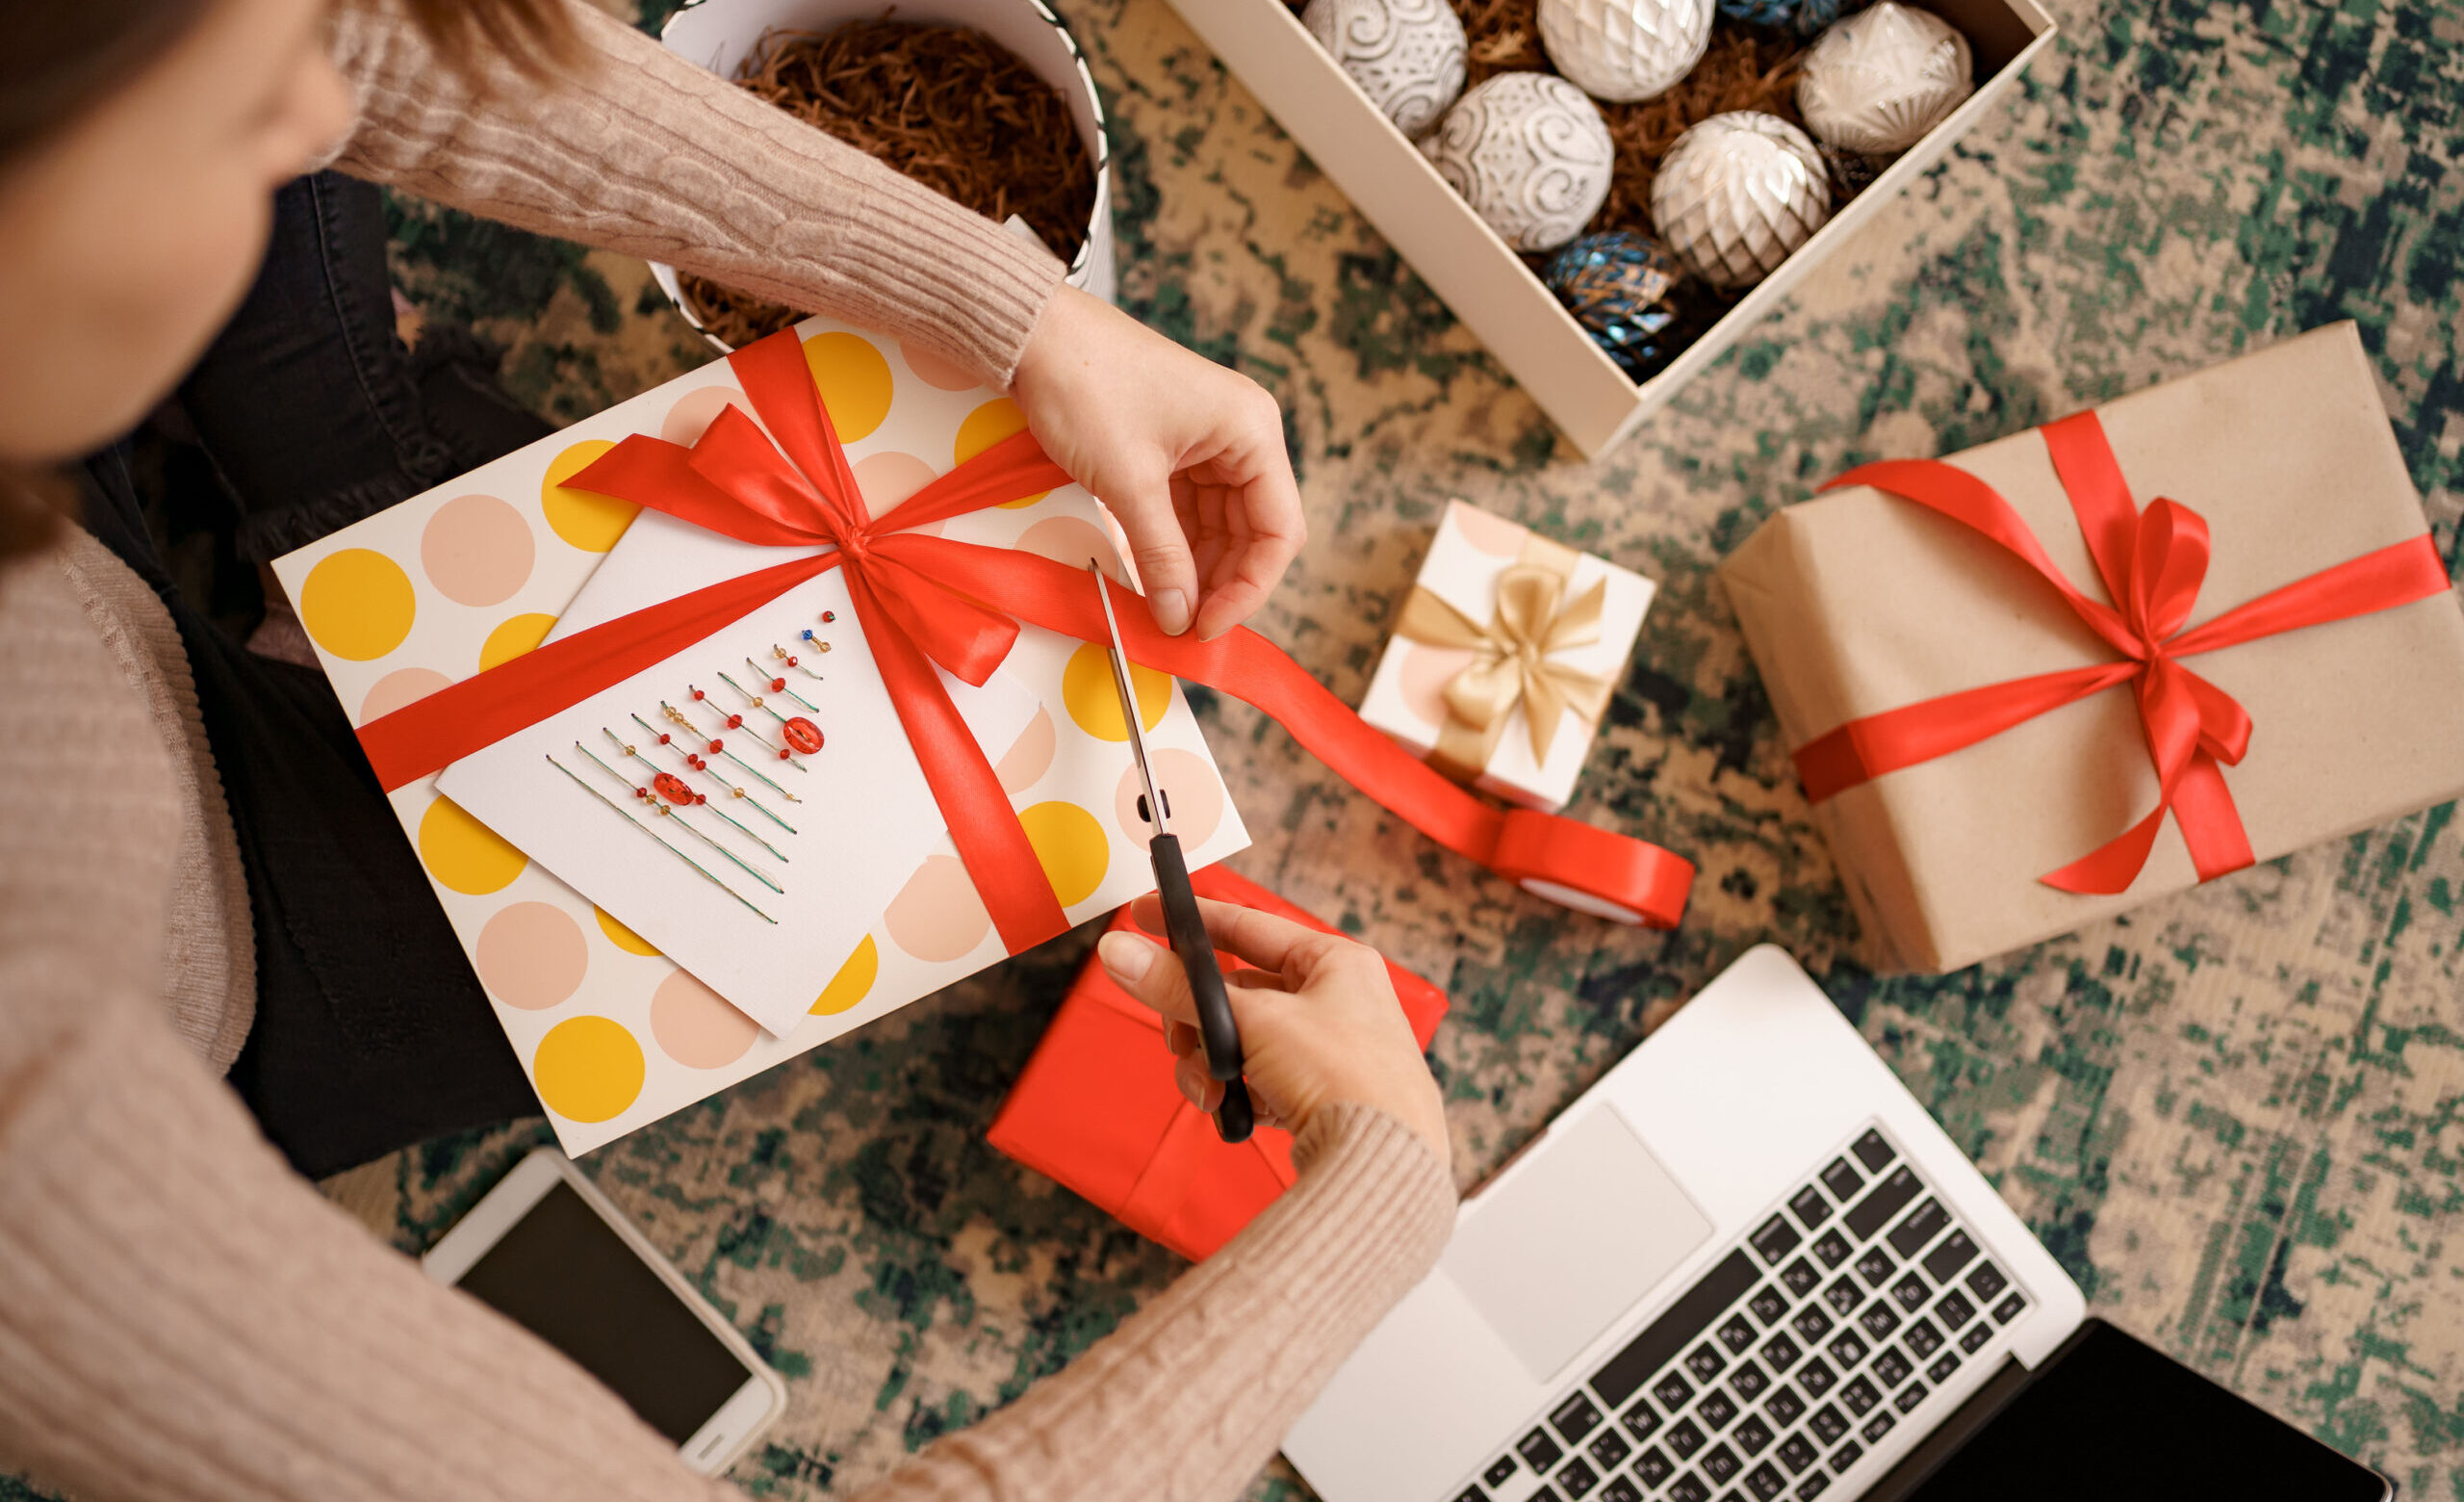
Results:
x,y
924,600
2153,562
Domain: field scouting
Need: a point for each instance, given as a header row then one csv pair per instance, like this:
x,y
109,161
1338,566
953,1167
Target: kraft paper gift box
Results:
x,y
1096,1108
575,923
1859,604
1503,630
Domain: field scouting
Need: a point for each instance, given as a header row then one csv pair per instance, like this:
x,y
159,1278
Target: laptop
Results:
x,y
1745,1264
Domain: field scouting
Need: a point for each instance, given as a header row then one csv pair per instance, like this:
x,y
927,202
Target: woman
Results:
x,y
180,1317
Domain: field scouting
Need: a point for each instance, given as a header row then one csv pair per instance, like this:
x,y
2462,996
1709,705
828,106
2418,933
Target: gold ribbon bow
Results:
x,y
1511,663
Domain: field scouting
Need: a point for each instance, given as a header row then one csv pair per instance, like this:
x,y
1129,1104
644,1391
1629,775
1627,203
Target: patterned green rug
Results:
x,y
2236,1116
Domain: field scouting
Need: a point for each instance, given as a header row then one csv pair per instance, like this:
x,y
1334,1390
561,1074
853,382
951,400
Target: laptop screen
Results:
x,y
2112,1420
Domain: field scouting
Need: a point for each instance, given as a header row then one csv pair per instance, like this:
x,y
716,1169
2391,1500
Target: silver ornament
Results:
x,y
1878,80
1529,153
1406,55
1736,194
1624,49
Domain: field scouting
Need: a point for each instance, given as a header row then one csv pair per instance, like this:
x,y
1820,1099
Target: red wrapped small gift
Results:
x,y
1096,1109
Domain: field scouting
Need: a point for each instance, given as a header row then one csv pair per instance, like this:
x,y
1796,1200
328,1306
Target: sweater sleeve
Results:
x,y
631,149
183,1320
1188,1398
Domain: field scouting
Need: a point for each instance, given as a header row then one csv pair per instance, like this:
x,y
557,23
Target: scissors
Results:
x,y
1217,1033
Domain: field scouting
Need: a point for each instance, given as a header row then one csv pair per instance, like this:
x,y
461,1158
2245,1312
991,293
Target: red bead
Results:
x,y
802,734
784,755
776,684
672,788
700,797
641,793
791,662
662,741
827,616
735,723
717,746
697,693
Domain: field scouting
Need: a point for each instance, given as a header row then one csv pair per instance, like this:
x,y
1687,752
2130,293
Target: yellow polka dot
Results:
x,y
357,603
625,938
987,425
465,854
587,1069
586,518
1073,846
854,381
853,982
1094,703
509,640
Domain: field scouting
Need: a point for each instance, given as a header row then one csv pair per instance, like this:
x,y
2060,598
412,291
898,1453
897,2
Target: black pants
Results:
x,y
370,1030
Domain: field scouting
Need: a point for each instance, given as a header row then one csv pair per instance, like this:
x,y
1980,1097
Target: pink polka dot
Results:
x,y
936,916
1490,533
1191,792
890,478
1426,671
405,685
1030,756
934,369
691,415
696,1027
476,550
1071,540
532,955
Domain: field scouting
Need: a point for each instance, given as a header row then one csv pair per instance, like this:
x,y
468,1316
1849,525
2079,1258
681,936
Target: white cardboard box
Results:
x,y
1488,286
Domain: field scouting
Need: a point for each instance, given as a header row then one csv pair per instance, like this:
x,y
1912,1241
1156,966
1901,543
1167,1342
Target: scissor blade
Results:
x,y
1128,701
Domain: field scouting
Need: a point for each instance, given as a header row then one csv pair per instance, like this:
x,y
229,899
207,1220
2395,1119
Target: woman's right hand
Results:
x,y
1319,1020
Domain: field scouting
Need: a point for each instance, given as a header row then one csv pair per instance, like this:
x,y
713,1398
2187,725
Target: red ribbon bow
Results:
x,y
924,600
2153,563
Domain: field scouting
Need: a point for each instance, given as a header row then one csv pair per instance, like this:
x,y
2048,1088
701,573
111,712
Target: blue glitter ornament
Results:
x,y
1630,294
1808,17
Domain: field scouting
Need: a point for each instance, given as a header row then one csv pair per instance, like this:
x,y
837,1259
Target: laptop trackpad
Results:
x,y
1588,1224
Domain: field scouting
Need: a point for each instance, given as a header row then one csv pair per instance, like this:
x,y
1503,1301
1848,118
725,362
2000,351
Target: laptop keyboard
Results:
x,y
1783,1363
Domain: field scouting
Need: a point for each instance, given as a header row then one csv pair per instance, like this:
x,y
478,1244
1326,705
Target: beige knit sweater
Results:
x,y
182,1318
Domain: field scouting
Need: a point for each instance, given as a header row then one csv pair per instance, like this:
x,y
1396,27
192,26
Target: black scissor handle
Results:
x,y
1217,1032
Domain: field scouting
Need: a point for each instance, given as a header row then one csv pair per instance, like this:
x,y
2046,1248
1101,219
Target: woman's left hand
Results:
x,y
1187,454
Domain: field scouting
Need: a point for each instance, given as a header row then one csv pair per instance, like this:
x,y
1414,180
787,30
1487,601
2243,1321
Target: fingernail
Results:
x,y
1171,611
1126,955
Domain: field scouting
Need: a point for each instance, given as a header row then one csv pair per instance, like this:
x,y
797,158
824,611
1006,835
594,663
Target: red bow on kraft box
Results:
x,y
1096,1109
2026,800
923,600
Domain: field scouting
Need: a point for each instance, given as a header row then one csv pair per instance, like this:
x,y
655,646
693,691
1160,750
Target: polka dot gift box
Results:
x,y
729,856
1508,648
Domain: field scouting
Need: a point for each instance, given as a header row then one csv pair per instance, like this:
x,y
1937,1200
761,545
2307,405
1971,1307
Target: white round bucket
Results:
x,y
718,33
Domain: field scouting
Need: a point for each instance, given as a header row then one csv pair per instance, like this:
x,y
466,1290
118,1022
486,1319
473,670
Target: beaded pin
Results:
x,y
729,722
676,716
780,654
795,729
676,789
693,760
667,810
661,839
780,685
817,644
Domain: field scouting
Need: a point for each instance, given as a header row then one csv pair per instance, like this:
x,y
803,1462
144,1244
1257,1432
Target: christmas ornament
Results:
x,y
1736,194
1630,294
1851,173
1806,17
1883,77
1406,55
1624,49
1529,153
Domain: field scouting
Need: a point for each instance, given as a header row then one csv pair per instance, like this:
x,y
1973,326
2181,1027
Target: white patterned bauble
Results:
x,y
1406,55
1736,194
1529,153
1880,79
1624,49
